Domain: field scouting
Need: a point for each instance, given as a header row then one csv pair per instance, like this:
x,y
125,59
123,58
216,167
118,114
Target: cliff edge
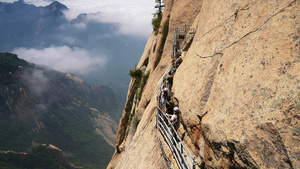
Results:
x,y
238,87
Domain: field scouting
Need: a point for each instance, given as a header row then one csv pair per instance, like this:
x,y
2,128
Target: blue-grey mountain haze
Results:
x,y
99,47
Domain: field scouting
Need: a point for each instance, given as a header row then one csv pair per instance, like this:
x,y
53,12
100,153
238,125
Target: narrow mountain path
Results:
x,y
182,38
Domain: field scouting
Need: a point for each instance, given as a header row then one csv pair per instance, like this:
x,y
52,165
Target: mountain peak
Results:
x,y
57,6
20,1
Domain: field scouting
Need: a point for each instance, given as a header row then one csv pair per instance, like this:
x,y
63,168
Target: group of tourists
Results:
x,y
172,110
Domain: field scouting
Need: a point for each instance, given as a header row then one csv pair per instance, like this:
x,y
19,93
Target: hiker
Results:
x,y
165,96
170,80
169,107
173,62
175,118
202,166
178,61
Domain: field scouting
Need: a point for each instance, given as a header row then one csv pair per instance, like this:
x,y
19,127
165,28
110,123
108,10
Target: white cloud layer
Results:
x,y
134,15
36,82
63,58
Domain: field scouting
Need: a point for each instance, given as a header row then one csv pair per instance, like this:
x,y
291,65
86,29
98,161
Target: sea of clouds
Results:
x,y
132,16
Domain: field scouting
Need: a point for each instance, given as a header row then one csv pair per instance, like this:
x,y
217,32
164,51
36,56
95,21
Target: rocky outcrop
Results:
x,y
238,86
58,155
28,159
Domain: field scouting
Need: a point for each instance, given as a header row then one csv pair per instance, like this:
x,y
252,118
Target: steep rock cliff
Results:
x,y
238,86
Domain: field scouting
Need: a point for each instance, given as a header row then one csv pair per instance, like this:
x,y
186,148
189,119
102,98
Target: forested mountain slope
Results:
x,y
39,105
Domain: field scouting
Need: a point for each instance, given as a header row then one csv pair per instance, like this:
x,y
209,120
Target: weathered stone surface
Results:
x,y
244,100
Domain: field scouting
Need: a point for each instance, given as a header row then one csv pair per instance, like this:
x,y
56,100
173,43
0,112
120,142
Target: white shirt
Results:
x,y
174,118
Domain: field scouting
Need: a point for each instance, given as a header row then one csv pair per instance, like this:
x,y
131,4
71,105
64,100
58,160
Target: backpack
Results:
x,y
170,106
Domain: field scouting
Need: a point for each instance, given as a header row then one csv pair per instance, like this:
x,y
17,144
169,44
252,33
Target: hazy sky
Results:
x,y
135,15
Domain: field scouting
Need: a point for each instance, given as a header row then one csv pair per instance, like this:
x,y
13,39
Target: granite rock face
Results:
x,y
240,75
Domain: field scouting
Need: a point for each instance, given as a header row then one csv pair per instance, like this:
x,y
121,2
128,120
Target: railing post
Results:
x,y
181,149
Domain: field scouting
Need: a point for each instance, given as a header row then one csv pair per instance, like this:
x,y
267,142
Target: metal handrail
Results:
x,y
168,135
168,132
171,147
185,29
188,34
175,137
175,149
167,161
178,150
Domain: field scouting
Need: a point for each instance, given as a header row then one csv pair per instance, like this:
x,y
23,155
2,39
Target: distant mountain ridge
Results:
x,y
41,105
22,22
41,156
57,7
27,26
